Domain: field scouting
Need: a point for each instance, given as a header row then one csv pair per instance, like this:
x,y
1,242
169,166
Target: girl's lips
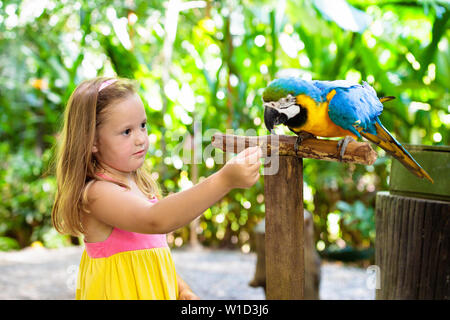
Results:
x,y
139,153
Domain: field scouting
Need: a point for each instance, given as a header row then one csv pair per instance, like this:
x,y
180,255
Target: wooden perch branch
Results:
x,y
356,152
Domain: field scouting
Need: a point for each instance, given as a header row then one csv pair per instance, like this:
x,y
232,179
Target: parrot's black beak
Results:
x,y
272,118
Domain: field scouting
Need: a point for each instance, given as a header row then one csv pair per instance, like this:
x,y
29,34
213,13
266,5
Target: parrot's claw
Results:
x,y
342,146
303,135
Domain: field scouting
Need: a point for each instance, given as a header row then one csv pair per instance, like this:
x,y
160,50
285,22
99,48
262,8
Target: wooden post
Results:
x,y
413,229
285,265
412,247
311,258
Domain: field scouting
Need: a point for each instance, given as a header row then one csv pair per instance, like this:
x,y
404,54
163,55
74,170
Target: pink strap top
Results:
x,y
121,240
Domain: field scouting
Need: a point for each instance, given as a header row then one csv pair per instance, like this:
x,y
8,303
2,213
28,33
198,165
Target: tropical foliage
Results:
x,y
202,65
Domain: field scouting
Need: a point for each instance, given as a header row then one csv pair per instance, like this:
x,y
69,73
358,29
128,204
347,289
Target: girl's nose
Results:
x,y
140,138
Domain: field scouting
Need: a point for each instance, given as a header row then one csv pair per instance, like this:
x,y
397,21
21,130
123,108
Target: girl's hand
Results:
x,y
242,171
187,295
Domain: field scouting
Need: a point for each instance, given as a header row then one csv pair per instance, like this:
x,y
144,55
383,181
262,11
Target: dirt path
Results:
x,y
213,274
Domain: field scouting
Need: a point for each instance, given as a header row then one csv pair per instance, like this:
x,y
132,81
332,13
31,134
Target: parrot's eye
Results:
x,y
286,102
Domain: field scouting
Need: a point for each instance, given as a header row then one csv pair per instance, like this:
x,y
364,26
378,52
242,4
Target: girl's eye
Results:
x,y
143,125
126,132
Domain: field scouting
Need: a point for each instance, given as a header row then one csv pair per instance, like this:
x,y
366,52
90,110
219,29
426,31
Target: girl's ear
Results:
x,y
94,147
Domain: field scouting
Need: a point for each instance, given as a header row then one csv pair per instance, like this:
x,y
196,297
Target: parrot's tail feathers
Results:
x,y
388,98
388,143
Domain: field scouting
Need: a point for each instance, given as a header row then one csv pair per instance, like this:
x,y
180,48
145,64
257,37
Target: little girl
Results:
x,y
106,193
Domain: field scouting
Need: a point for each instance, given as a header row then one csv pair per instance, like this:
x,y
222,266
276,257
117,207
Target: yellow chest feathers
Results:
x,y
318,122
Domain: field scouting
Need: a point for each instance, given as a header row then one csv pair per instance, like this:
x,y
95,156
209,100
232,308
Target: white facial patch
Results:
x,y
287,106
291,111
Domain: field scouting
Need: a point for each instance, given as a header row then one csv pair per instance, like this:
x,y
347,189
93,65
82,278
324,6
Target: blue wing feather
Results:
x,y
352,104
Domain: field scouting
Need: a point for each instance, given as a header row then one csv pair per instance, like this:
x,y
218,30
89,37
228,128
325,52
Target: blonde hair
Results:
x,y
76,166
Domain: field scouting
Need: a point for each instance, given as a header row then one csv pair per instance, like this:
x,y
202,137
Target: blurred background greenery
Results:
x,y
206,63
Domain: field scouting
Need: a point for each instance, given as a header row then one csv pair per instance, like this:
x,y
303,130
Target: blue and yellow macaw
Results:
x,y
333,109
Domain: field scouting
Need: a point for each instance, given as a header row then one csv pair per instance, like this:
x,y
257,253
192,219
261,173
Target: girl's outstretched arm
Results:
x,y
120,208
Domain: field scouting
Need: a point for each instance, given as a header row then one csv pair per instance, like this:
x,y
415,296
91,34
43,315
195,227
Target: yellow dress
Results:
x,y
127,266
146,273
